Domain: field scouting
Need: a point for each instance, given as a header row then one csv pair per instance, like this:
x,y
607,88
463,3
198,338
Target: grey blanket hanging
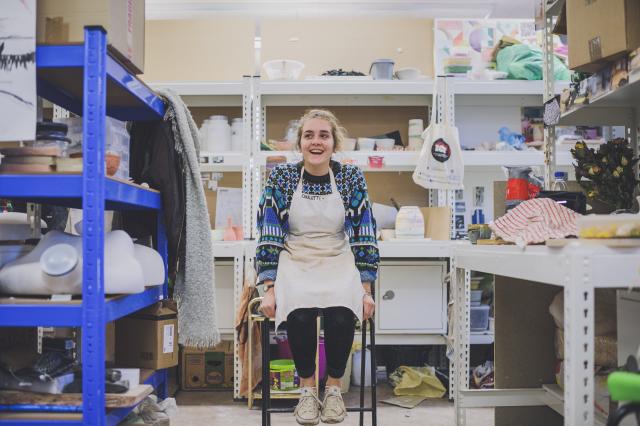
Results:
x,y
194,289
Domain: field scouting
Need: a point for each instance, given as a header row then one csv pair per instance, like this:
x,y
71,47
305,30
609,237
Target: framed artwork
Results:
x,y
18,70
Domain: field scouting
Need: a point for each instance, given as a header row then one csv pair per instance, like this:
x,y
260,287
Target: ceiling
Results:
x,y
181,9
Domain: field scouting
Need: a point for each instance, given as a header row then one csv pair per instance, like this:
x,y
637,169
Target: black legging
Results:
x,y
339,327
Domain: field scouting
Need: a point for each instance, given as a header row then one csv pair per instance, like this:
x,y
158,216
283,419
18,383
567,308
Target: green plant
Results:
x,y
608,174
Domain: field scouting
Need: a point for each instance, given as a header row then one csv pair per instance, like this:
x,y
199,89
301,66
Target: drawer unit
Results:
x,y
411,297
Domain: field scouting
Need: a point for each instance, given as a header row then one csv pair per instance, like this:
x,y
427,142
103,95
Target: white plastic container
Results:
x,y
382,69
283,69
409,223
204,135
218,134
366,144
385,144
237,134
609,226
408,74
357,367
14,226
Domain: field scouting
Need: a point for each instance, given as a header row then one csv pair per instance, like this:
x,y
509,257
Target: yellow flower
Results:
x,y
616,174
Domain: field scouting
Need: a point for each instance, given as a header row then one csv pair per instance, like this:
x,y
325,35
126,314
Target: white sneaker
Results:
x,y
307,411
333,410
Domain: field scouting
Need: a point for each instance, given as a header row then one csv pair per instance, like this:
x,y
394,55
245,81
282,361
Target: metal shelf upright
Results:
x,y
86,80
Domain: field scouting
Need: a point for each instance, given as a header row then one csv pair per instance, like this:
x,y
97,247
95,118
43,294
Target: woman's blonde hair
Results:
x,y
337,131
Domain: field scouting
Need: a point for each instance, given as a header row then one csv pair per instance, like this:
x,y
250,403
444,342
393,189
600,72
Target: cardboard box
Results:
x,y
437,223
209,368
63,21
148,338
601,30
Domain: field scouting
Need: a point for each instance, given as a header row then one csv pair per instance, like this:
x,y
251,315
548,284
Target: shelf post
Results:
x,y
549,92
462,298
93,193
579,323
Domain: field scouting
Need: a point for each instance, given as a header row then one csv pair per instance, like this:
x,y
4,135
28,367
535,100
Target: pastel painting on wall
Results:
x,y
461,43
17,70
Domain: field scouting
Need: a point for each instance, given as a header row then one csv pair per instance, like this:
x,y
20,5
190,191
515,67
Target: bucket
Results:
x,y
382,69
283,374
357,366
284,352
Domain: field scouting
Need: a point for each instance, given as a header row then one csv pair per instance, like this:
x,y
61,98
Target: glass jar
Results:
x,y
291,134
52,135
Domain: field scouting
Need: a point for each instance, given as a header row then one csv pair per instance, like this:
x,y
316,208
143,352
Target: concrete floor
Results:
x,y
201,408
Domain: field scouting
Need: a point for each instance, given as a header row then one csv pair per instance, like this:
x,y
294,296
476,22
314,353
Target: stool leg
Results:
x,y
266,416
363,368
374,378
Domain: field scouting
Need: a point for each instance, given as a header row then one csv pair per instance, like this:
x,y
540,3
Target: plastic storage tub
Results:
x,y
476,297
479,317
283,69
382,69
609,226
284,376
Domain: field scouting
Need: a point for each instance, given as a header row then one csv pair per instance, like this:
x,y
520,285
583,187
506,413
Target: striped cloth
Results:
x,y
536,221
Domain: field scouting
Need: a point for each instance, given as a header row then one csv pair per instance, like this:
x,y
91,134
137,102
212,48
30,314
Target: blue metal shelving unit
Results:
x,y
86,80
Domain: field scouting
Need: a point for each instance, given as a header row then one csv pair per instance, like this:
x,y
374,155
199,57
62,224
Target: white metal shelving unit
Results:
x,y
578,269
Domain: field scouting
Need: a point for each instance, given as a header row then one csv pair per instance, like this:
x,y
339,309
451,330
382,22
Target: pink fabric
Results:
x,y
535,221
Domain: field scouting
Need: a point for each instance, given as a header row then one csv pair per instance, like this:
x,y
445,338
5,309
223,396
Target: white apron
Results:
x,y
316,268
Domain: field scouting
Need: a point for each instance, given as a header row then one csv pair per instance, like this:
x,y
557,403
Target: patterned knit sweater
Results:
x,y
273,215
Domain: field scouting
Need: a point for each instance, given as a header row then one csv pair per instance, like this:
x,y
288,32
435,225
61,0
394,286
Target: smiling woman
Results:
x,y
317,234
319,136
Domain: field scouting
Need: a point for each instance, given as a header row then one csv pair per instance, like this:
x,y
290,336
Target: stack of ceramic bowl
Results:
x,y
415,134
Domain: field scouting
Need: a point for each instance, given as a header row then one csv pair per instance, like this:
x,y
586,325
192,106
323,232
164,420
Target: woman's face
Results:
x,y
317,142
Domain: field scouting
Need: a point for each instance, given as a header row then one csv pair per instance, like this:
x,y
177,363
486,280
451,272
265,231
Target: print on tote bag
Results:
x,y
440,163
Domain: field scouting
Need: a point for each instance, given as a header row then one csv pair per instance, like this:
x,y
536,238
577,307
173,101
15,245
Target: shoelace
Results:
x,y
338,407
304,406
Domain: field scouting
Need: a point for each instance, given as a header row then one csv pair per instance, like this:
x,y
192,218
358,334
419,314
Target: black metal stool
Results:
x,y
266,385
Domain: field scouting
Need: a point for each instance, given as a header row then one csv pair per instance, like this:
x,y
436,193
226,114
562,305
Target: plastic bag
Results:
x,y
417,381
524,62
440,163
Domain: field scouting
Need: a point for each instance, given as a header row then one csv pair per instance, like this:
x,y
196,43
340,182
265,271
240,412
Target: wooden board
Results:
x,y
41,416
609,242
494,243
46,300
112,400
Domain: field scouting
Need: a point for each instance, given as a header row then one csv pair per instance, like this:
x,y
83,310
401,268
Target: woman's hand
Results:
x,y
369,305
268,304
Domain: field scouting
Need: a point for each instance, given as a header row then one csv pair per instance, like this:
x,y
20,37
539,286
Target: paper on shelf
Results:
x,y
228,204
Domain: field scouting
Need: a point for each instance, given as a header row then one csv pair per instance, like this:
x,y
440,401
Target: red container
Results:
x,y
376,162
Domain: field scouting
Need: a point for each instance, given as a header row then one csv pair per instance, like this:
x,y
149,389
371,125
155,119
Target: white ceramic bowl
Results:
x,y
408,74
366,144
385,144
349,144
283,69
